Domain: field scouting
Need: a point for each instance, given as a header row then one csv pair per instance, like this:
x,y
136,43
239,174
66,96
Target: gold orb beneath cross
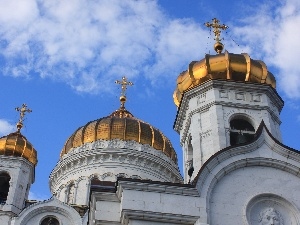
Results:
x,y
123,99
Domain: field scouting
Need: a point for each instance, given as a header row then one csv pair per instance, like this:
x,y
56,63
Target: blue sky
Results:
x,y
62,58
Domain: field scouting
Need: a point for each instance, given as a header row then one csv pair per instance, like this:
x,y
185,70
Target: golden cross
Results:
x,y
22,111
124,83
215,24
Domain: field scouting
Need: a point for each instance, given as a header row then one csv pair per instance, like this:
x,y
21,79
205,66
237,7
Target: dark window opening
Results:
x,y
106,186
241,131
4,187
50,221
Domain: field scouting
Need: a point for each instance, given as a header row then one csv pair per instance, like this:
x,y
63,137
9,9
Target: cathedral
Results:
x,y
121,170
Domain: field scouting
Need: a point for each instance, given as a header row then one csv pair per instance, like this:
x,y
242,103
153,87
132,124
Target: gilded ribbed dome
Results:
x,y
227,66
122,125
15,144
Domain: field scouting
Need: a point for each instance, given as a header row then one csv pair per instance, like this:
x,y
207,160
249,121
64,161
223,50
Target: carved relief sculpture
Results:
x,y
270,216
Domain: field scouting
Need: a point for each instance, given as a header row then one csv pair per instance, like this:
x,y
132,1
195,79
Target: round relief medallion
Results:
x,y
269,209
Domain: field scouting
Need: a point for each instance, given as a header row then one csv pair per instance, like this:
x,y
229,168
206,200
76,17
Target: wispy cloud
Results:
x,y
5,127
272,35
86,44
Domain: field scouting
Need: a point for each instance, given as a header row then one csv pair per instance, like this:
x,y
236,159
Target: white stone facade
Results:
x,y
145,203
239,184
205,112
21,174
251,183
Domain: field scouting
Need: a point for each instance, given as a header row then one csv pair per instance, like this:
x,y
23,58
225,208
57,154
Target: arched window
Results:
x,y
71,193
50,220
189,158
4,187
241,131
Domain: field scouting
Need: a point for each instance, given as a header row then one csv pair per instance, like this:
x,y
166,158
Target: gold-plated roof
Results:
x,y
227,66
15,144
122,125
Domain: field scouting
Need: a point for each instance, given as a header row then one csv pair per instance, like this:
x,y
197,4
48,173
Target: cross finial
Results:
x,y
23,110
217,31
124,83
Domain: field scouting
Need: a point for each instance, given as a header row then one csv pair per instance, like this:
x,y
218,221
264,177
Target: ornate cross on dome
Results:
x,y
124,83
217,31
22,111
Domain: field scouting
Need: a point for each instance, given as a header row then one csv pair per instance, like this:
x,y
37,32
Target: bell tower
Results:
x,y
18,159
222,99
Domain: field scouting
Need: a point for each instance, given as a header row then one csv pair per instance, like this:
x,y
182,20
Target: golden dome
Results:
x,y
15,144
122,125
227,66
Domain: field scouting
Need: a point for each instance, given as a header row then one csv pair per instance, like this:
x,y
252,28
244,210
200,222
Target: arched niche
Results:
x,y
71,193
50,220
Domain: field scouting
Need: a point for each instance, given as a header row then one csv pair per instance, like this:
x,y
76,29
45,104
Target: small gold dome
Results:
x,y
227,66
15,144
122,125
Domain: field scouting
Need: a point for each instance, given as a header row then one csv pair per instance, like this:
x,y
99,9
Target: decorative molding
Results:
x,y
256,98
183,190
206,134
144,158
221,85
201,98
223,93
127,215
240,96
235,106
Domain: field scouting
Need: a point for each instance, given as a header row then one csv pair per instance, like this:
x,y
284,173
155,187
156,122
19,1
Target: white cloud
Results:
x,y
273,35
88,43
5,127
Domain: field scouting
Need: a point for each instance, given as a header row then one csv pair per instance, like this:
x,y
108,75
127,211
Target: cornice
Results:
x,y
159,187
126,215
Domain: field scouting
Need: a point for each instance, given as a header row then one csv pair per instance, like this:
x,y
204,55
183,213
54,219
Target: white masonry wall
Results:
x,y
21,174
146,203
203,118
